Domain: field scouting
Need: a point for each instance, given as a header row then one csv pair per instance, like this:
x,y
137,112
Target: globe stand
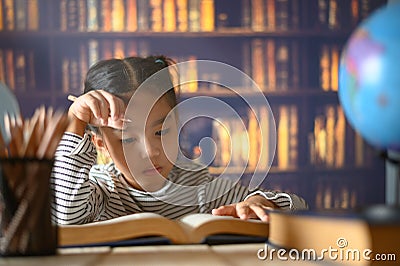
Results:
x,y
388,213
392,178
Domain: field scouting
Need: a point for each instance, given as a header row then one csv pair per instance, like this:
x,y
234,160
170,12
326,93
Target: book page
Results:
x,y
198,219
199,226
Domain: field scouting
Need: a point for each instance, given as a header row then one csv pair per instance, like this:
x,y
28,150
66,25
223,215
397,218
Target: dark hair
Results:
x,y
121,77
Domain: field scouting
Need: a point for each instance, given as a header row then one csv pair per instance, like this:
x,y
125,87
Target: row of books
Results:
x,y
271,15
342,14
17,69
335,194
137,15
287,145
177,15
329,192
75,63
184,15
274,64
329,60
19,15
238,146
330,137
327,142
206,15
253,145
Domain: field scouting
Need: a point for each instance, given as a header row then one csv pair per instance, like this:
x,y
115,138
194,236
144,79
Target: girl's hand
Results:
x,y
253,207
98,108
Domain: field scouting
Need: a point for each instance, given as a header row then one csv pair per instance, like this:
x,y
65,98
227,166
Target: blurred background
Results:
x,y
290,48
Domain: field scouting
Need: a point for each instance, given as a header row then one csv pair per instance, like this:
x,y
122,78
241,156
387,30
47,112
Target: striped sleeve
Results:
x,y
222,191
75,196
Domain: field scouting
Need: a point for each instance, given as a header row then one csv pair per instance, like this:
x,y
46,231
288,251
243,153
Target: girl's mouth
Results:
x,y
153,170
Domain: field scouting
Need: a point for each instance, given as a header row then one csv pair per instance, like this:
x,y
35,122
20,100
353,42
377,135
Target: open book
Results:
x,y
192,228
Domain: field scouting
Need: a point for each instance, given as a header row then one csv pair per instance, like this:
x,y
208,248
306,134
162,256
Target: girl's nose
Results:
x,y
150,149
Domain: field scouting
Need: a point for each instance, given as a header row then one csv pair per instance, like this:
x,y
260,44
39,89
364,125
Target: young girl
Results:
x,y
142,176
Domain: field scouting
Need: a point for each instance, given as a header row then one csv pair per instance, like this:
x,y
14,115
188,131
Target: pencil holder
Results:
x,y
26,228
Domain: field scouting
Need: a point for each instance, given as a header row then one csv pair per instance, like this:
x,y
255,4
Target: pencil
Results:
x,y
72,98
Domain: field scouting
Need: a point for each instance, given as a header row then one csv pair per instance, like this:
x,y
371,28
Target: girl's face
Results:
x,y
146,150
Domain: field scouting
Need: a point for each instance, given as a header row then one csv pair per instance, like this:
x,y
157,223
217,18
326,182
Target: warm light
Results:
x,y
370,70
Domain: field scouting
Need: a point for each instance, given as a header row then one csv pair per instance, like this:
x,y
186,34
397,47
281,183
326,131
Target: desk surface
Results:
x,y
240,254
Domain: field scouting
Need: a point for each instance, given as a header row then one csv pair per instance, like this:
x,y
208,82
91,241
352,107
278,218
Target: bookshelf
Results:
x,y
291,50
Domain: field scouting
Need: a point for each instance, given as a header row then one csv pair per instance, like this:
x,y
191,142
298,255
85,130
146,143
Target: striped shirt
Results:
x,y
86,192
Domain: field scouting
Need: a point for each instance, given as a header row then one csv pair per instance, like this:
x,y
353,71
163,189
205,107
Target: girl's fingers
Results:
x,y
116,105
99,106
111,108
227,210
259,211
242,210
246,211
88,110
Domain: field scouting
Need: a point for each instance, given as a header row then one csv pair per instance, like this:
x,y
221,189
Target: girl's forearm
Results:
x,y
70,179
76,126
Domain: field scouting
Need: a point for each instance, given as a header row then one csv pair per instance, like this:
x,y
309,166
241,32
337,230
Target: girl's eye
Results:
x,y
162,132
128,140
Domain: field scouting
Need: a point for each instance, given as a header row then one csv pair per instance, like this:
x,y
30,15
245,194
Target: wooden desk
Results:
x,y
240,254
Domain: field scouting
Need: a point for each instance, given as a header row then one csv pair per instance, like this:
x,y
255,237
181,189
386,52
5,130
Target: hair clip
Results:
x,y
158,60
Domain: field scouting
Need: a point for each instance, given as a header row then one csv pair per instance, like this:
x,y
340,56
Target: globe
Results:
x,y
369,78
